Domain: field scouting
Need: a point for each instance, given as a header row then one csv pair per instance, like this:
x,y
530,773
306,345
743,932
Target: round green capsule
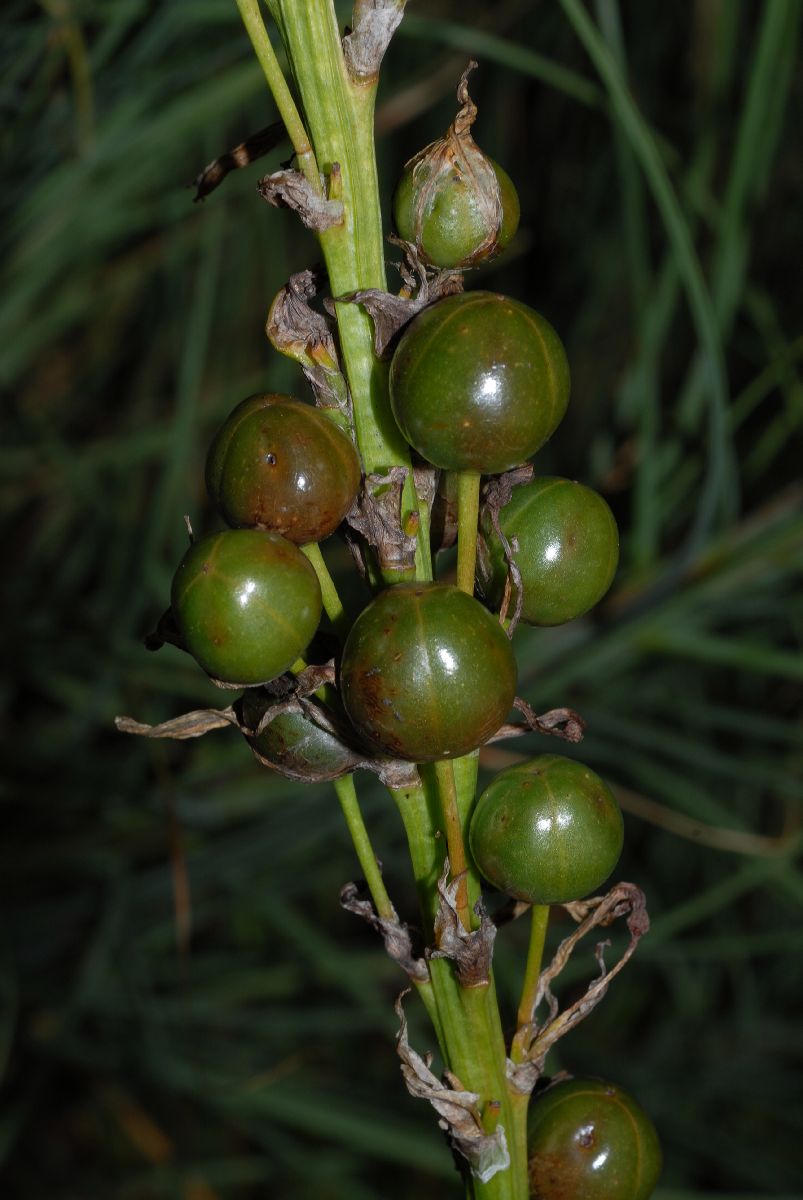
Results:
x,y
590,1140
478,382
427,673
547,831
246,604
568,549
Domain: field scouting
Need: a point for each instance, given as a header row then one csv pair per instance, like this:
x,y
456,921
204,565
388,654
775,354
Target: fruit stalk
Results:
x,y
539,919
333,605
468,507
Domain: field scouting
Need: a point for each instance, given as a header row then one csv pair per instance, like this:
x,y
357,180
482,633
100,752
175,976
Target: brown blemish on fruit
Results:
x,y
375,698
548,1177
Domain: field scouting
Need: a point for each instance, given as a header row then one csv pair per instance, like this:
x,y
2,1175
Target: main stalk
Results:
x,y
333,133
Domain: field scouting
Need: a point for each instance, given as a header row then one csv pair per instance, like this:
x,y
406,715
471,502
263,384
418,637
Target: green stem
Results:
x,y
444,773
340,117
419,814
468,509
539,919
350,807
347,795
469,1029
333,605
255,27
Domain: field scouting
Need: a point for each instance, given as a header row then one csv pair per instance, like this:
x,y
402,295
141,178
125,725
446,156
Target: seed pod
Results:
x,y
278,464
454,203
299,739
546,831
590,1140
246,604
427,673
478,382
568,549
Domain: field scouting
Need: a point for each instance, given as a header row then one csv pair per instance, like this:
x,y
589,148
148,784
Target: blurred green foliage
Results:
x,y
184,1009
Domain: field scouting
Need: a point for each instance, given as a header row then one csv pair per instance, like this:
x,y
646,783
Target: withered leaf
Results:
x,y
497,492
376,515
562,723
289,694
189,725
471,952
294,328
373,24
297,330
425,481
532,1042
395,934
390,313
291,189
458,1109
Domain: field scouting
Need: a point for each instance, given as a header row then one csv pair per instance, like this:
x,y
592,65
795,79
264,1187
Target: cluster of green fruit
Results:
x,y
478,383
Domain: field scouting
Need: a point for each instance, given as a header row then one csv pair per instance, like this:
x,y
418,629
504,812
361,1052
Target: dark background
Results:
x,y
185,1011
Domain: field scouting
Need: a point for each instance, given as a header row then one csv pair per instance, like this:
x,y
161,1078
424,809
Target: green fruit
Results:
x,y
478,382
447,216
246,603
546,831
278,464
427,673
589,1140
295,743
568,549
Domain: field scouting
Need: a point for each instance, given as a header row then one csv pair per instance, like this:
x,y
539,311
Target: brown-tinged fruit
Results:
x,y
282,465
427,673
589,1140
